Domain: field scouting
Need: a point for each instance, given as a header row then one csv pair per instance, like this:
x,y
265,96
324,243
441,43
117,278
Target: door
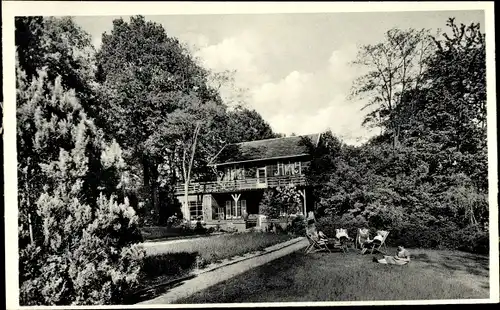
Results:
x,y
261,177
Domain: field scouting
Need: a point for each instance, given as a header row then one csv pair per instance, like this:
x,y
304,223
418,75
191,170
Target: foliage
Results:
x,y
281,202
298,225
163,108
247,125
432,191
77,233
393,67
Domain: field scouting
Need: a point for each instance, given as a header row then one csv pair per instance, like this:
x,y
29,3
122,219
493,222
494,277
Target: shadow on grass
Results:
x,y
156,291
341,277
472,264
422,257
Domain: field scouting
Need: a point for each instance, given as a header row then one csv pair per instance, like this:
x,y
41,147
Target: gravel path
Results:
x,y
148,244
210,278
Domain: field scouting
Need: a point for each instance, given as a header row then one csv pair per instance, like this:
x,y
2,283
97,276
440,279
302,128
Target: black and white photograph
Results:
x,y
260,154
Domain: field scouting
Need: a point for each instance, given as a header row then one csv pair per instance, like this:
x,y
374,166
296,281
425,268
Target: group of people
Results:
x,y
402,256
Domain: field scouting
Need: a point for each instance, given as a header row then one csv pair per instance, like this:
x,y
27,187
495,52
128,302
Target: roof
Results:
x,y
264,149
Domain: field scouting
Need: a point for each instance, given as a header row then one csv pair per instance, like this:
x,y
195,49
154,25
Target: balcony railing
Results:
x,y
240,185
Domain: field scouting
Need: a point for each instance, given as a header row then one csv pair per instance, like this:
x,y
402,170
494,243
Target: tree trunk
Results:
x,y
150,185
154,191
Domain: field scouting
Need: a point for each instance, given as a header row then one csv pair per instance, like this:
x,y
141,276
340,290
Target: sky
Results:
x,y
294,69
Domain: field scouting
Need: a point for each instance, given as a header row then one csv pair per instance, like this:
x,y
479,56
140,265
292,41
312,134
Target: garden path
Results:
x,y
205,280
168,242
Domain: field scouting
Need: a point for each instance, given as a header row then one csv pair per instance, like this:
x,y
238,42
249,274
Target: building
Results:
x,y
242,173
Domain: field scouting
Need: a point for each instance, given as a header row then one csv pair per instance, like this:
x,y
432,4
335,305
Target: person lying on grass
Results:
x,y
402,257
377,240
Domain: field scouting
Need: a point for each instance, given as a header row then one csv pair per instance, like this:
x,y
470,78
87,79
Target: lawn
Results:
x,y
216,248
432,274
165,262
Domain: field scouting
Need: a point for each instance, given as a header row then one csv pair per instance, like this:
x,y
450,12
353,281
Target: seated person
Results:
x,y
369,243
363,236
314,233
341,233
402,257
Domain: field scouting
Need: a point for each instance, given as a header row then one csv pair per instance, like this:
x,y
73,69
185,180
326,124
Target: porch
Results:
x,y
238,185
238,211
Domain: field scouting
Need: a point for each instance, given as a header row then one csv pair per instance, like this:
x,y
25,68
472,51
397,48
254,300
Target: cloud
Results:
x,y
284,96
195,41
237,53
300,102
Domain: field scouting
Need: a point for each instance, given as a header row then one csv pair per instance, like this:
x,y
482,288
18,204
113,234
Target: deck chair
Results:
x,y
362,235
316,246
378,246
343,239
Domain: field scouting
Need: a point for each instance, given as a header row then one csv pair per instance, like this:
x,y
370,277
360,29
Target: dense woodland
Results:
x,y
103,135
425,177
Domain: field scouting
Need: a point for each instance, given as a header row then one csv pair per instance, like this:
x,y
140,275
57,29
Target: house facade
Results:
x,y
242,173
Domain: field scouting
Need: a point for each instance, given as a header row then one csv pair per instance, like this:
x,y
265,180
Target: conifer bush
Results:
x,y
75,246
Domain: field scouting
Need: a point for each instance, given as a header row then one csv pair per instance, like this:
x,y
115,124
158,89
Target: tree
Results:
x,y
394,67
247,125
83,251
432,192
150,76
65,50
76,230
281,202
193,136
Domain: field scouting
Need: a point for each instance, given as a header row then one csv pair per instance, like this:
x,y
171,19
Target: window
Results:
x,y
280,170
235,211
218,214
261,175
196,210
289,168
234,173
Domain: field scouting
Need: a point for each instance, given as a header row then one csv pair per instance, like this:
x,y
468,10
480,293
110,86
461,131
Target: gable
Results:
x,y
265,149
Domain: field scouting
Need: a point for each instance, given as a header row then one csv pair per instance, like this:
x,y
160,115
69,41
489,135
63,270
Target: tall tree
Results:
x,y
247,125
150,75
394,67
81,240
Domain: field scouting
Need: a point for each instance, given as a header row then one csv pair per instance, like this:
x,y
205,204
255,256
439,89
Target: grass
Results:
x,y
214,249
432,274
167,262
159,233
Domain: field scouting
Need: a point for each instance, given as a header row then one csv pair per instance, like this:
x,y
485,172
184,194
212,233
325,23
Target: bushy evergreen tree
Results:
x,y
77,238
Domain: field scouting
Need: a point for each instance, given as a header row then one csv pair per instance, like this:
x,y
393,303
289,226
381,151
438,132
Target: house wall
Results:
x,y
207,206
249,169
185,208
252,199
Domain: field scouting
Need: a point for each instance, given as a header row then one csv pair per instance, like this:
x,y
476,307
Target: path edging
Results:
x,y
195,273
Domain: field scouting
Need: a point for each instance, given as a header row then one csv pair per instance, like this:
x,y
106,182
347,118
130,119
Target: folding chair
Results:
x,y
377,246
362,235
343,239
316,246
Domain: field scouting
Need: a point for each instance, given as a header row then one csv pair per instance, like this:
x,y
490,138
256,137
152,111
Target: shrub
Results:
x,y
419,230
95,266
173,221
199,229
298,226
472,239
84,247
170,264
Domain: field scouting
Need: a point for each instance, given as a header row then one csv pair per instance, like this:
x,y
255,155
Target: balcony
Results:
x,y
240,185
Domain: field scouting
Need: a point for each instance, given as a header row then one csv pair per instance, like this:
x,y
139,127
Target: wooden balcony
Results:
x,y
240,185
